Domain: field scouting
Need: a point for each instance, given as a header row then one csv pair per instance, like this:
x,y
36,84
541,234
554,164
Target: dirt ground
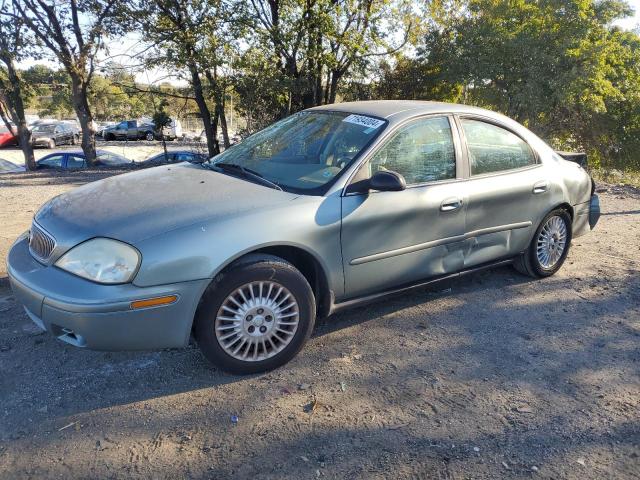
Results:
x,y
493,376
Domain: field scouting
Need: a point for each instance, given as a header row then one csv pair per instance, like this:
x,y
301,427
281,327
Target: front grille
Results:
x,y
41,244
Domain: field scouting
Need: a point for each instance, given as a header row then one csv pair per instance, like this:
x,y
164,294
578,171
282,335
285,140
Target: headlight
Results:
x,y
102,260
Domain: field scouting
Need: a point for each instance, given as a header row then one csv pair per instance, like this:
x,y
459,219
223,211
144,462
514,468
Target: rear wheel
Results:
x,y
549,247
149,136
256,316
52,144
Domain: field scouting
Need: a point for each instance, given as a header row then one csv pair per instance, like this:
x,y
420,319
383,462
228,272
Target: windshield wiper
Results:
x,y
247,172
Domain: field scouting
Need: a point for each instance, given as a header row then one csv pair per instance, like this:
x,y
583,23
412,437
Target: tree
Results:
x,y
75,43
321,41
191,36
557,66
162,120
12,87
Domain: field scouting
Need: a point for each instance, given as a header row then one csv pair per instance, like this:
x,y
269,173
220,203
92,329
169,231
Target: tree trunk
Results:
x,y
81,107
215,128
164,145
219,114
205,113
16,112
333,89
24,137
326,87
223,125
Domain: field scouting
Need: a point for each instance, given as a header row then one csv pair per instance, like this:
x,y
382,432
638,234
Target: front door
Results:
x,y
390,239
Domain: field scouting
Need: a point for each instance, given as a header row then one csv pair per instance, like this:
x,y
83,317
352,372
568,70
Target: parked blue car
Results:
x,y
74,160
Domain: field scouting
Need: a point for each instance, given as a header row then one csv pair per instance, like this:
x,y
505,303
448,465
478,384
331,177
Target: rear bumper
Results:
x,y
86,314
586,216
594,211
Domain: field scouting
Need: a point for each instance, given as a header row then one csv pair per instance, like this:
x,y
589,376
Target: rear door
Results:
x,y
507,191
394,238
132,130
75,162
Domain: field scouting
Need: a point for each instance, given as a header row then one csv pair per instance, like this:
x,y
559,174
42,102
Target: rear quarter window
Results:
x,y
494,149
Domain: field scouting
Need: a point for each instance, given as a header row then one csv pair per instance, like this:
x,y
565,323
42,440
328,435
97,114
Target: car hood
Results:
x,y
143,204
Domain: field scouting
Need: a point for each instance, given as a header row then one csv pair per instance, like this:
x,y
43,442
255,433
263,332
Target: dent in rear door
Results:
x,y
505,194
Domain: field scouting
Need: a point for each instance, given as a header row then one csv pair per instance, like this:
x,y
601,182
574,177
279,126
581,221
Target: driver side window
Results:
x,y
421,152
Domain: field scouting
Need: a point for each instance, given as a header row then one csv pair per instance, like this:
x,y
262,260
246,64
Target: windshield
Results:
x,y
305,152
44,128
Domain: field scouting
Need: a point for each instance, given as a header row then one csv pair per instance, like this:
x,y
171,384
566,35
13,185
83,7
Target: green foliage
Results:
x,y
557,66
161,118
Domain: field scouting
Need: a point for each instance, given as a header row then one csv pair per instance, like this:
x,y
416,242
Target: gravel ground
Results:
x,y
493,376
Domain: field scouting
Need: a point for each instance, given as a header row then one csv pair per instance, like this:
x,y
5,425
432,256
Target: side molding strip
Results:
x,y
336,307
437,243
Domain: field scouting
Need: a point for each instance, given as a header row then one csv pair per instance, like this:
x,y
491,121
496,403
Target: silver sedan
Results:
x,y
328,208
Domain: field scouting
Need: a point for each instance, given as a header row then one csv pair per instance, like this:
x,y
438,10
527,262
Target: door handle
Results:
x,y
540,187
450,204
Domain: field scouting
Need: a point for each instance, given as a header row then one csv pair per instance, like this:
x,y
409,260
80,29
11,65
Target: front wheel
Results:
x,y
256,316
549,247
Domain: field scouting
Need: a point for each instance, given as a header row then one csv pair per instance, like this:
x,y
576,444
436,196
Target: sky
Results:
x,y
631,22
123,51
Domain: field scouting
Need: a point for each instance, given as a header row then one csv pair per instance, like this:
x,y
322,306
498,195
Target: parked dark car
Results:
x,y
177,157
52,134
130,130
74,160
9,167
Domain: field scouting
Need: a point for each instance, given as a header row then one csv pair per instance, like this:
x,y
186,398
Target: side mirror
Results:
x,y
387,181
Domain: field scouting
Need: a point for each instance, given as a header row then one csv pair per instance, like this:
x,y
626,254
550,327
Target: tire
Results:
x,y
534,265
149,136
74,140
110,137
51,144
239,323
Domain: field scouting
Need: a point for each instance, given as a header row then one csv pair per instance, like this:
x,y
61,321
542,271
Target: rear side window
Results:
x,y
75,161
421,152
494,149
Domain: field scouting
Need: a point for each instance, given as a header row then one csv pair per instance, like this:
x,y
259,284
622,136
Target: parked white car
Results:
x,y
173,130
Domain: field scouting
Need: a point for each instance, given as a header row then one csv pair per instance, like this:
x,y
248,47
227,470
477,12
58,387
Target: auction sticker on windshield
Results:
x,y
371,123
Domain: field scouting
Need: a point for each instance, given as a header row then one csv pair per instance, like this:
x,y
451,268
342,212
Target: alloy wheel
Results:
x,y
552,242
257,321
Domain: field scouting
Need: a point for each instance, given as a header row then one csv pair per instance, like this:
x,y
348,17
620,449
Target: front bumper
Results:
x,y
40,142
87,314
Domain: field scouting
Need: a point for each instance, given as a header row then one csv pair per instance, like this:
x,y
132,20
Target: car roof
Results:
x,y
80,153
398,110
